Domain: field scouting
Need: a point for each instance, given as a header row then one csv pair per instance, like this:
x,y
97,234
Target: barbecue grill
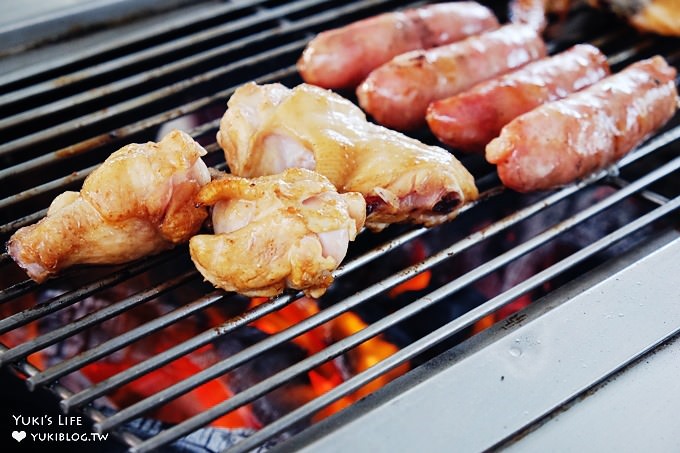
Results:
x,y
594,262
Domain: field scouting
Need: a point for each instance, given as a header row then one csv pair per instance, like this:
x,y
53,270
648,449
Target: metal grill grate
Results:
x,y
61,117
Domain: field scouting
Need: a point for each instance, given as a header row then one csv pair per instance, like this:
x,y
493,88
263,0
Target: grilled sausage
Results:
x,y
343,57
564,140
471,119
397,93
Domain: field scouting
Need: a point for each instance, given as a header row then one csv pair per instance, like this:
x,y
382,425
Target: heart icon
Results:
x,y
19,435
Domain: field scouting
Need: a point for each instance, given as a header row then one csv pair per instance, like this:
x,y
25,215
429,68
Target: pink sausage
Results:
x,y
343,57
397,93
562,141
470,120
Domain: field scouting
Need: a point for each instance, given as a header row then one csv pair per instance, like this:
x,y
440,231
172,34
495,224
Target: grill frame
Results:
x,y
530,409
80,401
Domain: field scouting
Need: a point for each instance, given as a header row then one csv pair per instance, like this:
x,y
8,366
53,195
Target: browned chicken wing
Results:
x,y
286,230
140,201
268,128
653,16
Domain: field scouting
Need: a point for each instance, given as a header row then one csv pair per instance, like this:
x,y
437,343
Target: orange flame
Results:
x,y
177,410
328,375
368,353
502,313
417,283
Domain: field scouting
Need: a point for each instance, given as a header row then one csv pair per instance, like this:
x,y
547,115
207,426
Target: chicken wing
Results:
x,y
561,141
268,128
343,57
140,201
286,230
652,16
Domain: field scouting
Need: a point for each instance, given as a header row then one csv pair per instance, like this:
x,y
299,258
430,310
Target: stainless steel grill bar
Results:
x,y
62,392
129,337
210,335
628,54
145,33
103,387
652,145
648,195
328,314
136,57
377,252
74,177
23,221
17,290
71,297
422,345
148,98
108,312
124,131
334,350
179,65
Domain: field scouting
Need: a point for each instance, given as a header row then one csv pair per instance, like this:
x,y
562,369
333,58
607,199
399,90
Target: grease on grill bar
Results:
x,y
149,352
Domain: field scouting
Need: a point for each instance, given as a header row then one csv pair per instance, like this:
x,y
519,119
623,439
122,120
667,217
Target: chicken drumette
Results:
x,y
268,128
286,230
140,201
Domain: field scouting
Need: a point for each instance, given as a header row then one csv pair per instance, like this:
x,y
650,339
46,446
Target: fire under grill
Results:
x,y
151,353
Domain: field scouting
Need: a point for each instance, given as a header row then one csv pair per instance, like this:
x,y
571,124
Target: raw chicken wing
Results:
x,y
268,128
286,230
140,201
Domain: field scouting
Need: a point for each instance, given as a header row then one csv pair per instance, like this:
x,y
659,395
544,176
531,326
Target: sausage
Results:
x,y
564,140
471,119
397,93
528,12
343,57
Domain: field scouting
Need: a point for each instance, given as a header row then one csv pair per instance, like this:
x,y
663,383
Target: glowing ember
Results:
x,y
502,313
181,408
367,353
417,283
328,375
